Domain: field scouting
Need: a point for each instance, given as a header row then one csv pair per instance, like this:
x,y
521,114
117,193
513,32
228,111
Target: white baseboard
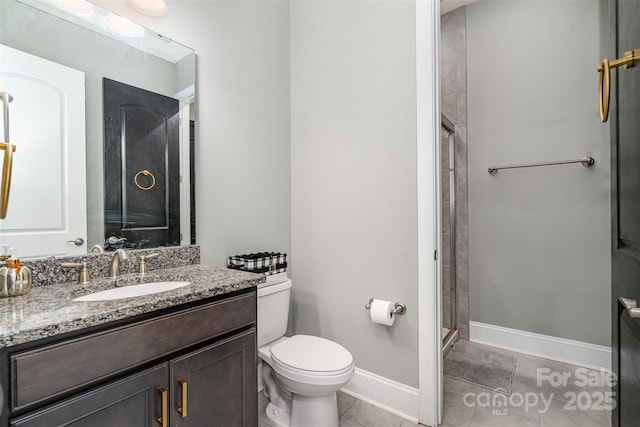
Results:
x,y
392,396
560,349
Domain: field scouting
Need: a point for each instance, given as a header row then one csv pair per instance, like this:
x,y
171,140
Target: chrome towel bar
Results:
x,y
586,162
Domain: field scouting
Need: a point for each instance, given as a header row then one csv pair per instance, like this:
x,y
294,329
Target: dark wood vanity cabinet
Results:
x,y
132,401
192,367
226,400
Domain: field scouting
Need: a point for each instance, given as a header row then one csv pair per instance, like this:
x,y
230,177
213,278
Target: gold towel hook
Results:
x,y
7,162
145,173
604,80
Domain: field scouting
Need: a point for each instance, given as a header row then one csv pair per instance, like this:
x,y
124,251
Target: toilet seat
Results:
x,y
305,358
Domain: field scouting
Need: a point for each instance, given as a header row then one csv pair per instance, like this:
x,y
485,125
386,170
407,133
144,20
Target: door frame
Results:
x,y
428,206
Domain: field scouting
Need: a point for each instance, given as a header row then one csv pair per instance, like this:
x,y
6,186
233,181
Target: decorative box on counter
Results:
x,y
261,262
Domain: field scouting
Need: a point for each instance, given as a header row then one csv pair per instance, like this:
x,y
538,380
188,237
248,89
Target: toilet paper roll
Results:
x,y
382,312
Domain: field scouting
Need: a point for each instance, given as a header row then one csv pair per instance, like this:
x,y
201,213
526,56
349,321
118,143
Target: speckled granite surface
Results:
x,y
50,310
47,271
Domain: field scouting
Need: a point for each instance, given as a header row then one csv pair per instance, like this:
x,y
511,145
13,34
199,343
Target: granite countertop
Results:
x,y
50,310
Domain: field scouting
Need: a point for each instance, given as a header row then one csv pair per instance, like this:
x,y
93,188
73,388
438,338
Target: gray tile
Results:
x,y
460,19
461,190
569,388
463,330
452,385
462,212
344,402
446,281
462,278
371,416
560,414
461,101
446,312
447,39
444,148
491,417
524,403
462,242
525,376
446,221
462,309
445,183
346,422
449,107
456,412
460,145
448,78
446,249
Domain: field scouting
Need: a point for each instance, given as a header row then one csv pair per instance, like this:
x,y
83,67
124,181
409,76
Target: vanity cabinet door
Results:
x,y
135,401
216,385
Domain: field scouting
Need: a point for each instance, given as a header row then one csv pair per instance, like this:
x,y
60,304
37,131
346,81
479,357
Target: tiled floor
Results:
x,y
536,400
353,413
530,404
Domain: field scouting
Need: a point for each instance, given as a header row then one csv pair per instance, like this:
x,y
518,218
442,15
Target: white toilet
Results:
x,y
301,373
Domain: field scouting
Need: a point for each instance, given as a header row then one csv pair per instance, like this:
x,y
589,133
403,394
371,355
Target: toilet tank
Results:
x,y
273,311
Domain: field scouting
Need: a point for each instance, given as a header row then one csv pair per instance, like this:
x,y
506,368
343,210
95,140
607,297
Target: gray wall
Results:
x,y
242,124
538,237
353,148
353,178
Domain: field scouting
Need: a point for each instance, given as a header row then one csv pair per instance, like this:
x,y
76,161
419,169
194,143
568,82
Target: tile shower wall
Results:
x,y
453,62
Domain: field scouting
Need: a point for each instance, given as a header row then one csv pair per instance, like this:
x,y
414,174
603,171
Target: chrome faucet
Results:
x,y
118,255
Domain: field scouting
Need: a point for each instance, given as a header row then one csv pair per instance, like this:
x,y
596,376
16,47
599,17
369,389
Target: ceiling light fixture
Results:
x,y
124,27
149,7
79,7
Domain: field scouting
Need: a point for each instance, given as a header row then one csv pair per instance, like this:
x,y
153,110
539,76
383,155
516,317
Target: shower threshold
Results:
x,y
449,340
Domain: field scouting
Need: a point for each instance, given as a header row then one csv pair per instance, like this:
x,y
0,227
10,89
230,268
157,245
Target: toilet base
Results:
x,y
279,417
318,411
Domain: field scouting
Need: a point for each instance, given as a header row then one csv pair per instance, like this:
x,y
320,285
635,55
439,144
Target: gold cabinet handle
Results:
x,y
604,80
182,410
163,407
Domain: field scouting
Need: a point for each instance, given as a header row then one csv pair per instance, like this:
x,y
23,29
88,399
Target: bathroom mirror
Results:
x,y
82,43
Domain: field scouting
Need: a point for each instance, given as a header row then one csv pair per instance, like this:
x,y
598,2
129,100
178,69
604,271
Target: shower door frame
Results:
x,y
452,335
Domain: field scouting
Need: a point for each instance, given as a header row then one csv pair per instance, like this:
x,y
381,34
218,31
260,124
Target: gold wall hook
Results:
x,y
604,82
7,165
8,149
145,173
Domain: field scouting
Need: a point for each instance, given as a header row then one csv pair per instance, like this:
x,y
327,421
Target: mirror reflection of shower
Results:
x,y
449,265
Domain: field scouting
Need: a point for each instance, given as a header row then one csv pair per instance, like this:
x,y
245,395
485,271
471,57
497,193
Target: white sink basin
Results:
x,y
132,291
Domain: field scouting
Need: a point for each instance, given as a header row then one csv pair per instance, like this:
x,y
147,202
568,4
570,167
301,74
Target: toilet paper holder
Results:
x,y
398,308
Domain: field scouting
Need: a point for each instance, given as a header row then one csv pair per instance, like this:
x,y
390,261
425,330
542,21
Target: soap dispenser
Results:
x,y
15,277
6,253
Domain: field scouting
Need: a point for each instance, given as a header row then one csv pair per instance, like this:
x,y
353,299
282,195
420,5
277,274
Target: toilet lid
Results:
x,y
312,354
